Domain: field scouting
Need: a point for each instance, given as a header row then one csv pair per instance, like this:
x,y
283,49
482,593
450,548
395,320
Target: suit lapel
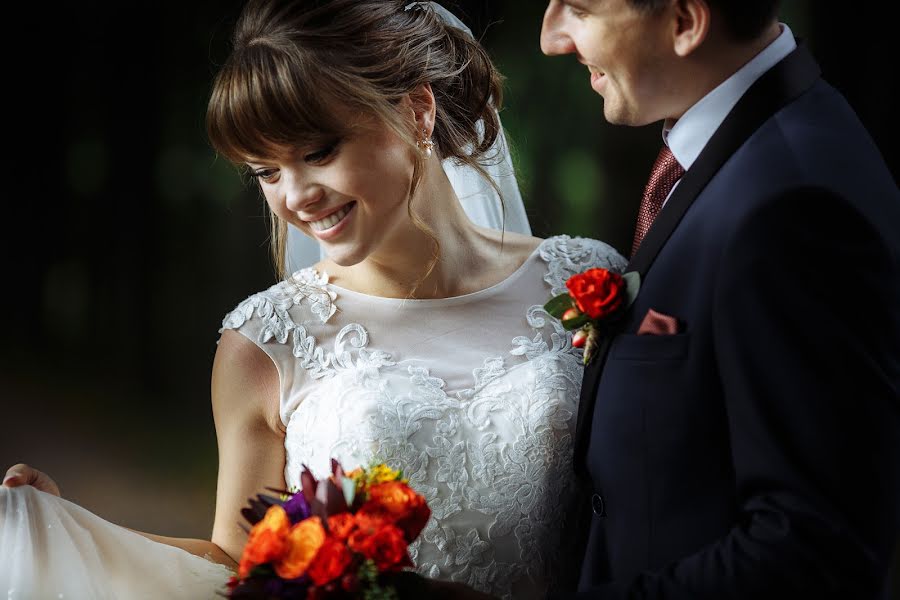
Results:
x,y
774,90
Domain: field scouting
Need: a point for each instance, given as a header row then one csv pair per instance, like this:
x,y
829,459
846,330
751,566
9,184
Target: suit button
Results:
x,y
598,505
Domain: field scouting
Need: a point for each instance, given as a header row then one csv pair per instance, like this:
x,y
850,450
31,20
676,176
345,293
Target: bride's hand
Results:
x,y
22,474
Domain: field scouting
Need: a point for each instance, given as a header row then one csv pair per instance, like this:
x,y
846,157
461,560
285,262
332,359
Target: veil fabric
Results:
x,y
478,198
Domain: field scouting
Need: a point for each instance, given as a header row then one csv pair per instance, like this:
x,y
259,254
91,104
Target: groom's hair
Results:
x,y
745,20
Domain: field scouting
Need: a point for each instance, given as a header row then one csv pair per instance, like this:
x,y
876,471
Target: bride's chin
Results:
x,y
343,259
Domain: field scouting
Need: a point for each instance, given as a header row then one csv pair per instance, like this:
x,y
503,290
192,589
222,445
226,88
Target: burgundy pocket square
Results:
x,y
656,323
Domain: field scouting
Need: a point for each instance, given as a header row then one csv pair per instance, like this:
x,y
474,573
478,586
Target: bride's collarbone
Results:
x,y
499,256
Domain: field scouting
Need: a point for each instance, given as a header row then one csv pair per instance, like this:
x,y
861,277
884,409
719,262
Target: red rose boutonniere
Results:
x,y
596,298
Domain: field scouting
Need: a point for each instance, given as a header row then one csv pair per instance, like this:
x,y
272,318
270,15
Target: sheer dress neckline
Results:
x,y
431,303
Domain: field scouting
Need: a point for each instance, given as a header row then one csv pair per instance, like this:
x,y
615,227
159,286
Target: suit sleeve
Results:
x,y
806,335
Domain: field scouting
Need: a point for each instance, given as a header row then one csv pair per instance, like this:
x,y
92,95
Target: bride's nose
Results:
x,y
300,193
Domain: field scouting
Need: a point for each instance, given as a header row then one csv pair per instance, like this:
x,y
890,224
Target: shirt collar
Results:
x,y
690,134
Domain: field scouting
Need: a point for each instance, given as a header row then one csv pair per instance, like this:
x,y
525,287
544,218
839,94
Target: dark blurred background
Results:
x,y
127,240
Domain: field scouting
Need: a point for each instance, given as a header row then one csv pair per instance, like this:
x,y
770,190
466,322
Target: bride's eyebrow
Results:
x,y
256,164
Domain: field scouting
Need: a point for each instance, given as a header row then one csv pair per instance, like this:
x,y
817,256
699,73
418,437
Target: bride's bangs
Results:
x,y
267,102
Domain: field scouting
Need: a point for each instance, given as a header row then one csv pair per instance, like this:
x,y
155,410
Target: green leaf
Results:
x,y
632,286
558,305
577,323
349,489
368,572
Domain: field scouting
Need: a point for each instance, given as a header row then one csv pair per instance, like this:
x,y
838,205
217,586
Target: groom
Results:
x,y
741,432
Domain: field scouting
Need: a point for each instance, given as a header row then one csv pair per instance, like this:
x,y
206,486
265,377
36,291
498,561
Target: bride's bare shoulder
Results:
x,y
516,246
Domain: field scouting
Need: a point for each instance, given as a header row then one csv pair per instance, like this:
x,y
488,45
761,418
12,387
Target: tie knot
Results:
x,y
666,167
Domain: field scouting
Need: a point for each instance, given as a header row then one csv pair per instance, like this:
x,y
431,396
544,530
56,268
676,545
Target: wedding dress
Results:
x,y
474,397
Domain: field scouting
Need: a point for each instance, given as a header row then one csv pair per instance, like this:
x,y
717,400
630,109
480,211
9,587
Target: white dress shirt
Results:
x,y
690,134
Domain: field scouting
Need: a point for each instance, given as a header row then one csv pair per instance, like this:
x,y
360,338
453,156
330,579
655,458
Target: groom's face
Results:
x,y
624,48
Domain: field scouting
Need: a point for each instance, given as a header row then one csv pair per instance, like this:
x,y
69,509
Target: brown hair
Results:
x,y
294,63
745,20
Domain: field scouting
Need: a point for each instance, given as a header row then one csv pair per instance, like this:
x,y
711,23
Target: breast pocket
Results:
x,y
644,380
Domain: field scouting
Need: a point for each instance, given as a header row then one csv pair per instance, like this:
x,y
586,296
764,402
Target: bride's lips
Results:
x,y
334,230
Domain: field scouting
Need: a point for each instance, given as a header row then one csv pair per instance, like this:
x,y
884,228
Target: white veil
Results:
x,y
477,196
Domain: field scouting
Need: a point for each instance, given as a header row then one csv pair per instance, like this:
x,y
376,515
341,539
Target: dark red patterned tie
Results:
x,y
666,172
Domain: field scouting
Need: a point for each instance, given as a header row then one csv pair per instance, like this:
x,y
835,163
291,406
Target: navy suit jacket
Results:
x,y
756,453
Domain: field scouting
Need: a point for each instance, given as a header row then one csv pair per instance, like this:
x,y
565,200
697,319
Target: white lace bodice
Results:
x,y
474,397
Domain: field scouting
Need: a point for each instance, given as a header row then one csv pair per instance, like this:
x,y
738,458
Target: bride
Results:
x,y
418,339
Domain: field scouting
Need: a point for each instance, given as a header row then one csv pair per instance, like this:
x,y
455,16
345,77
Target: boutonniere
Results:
x,y
596,299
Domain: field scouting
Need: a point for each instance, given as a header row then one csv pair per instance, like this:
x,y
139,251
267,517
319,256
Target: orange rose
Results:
x,y
341,524
597,292
330,563
304,541
399,503
365,525
386,546
267,541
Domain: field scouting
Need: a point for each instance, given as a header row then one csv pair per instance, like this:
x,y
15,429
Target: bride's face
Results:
x,y
350,194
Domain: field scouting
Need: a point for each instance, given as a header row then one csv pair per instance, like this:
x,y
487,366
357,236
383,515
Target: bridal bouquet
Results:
x,y
335,538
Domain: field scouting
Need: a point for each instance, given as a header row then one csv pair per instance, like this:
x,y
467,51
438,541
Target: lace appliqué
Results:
x,y
309,289
273,306
566,256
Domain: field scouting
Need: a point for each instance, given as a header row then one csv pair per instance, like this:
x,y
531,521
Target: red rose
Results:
x,y
367,525
341,525
597,292
398,503
386,547
330,562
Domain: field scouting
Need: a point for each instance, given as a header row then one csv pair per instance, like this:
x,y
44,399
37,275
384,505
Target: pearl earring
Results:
x,y
425,144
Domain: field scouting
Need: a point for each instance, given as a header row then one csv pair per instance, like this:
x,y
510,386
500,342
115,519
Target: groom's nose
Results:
x,y
554,40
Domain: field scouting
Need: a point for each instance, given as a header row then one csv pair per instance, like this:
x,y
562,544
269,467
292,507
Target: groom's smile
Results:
x,y
597,76
632,45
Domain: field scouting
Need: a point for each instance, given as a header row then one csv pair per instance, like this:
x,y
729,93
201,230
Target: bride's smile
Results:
x,y
327,225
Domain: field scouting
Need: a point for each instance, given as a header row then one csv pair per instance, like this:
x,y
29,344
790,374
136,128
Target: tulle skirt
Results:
x,y
51,548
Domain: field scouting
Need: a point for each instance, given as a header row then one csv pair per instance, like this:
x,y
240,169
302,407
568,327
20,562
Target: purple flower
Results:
x,y
297,508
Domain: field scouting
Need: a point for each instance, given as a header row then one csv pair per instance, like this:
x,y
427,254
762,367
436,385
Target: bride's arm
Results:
x,y
245,402
245,399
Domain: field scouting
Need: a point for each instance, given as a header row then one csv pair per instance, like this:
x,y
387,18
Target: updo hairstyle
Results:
x,y
298,68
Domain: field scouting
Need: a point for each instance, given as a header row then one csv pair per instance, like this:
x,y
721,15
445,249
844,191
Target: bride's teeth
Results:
x,y
331,220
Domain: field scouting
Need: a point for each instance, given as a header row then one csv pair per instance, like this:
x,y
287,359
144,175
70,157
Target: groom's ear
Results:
x,y
691,25
422,102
